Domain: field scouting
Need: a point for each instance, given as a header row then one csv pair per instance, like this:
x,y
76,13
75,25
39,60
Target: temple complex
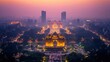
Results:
x,y
54,41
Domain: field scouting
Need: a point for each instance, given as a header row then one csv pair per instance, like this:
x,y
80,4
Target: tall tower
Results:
x,y
43,16
63,16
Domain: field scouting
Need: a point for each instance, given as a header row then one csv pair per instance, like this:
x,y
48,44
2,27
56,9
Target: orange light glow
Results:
x,y
52,2
15,22
55,41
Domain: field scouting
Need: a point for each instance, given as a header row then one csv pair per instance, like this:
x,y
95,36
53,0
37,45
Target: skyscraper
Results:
x,y
63,16
43,16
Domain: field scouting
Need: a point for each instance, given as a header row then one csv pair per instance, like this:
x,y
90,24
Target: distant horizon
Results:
x,y
21,18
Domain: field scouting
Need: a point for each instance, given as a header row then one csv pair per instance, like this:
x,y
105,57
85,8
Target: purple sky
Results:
x,y
74,8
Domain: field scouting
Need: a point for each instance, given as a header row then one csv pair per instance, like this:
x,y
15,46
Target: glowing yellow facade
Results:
x,y
55,41
55,26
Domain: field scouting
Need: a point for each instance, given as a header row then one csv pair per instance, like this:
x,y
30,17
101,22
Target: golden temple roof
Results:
x,y
55,40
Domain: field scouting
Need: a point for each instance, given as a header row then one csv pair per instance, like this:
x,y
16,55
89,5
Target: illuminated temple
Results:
x,y
54,41
55,26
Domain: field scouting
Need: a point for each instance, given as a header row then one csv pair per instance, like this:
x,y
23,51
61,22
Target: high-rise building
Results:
x,y
43,16
63,16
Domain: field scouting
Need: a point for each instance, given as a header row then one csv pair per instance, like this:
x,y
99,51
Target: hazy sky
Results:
x,y
74,8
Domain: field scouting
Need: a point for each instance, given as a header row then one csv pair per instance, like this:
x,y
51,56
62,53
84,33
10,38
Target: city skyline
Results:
x,y
74,8
54,31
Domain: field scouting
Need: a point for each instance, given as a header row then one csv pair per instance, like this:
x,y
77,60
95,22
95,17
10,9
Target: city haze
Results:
x,y
74,8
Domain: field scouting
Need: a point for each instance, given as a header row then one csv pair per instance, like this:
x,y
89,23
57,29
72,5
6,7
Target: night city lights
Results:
x,y
54,31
